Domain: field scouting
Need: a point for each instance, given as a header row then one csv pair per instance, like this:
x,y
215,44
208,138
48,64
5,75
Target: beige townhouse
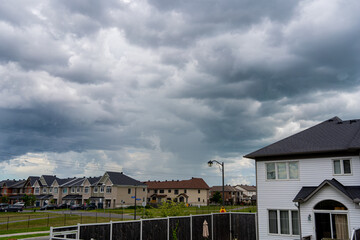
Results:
x,y
119,190
91,193
194,191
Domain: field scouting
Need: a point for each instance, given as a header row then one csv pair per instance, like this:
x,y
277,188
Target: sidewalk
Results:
x,y
23,233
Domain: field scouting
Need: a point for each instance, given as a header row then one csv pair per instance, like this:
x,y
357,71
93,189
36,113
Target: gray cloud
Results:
x,y
176,83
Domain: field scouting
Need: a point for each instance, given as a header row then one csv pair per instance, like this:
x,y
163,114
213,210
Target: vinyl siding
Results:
x,y
278,194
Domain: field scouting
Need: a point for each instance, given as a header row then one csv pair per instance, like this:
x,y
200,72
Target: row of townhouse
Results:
x,y
236,194
113,189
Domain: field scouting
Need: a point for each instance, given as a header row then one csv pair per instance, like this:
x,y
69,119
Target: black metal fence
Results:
x,y
240,226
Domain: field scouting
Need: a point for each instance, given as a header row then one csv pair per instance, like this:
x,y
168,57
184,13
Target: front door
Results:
x,y
331,226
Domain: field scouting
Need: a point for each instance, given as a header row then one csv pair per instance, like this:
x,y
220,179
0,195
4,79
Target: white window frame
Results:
x,y
96,189
37,190
287,171
102,189
44,190
56,190
342,167
108,189
279,222
72,190
86,190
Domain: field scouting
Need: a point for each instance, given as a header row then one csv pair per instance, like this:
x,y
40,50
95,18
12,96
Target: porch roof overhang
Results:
x,y
351,192
183,195
16,197
159,195
72,197
43,197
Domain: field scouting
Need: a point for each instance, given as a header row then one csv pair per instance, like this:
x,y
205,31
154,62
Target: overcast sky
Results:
x,y
157,88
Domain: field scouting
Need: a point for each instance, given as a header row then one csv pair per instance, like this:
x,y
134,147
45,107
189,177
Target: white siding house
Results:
x,y
308,185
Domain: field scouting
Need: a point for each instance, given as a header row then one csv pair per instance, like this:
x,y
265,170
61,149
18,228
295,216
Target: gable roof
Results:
x,y
32,179
193,183
49,179
333,135
227,188
93,180
118,178
305,193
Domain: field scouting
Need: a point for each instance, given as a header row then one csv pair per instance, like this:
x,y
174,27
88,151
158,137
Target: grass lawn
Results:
x,y
41,221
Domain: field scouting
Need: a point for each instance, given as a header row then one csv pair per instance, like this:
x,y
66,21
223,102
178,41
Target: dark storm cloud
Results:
x,y
180,82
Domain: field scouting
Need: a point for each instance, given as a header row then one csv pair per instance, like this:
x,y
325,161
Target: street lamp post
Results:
x,y
210,163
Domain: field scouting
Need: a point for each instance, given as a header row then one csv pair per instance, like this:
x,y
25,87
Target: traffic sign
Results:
x,y
132,196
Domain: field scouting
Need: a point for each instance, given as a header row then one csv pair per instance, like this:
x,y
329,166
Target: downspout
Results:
x,y
298,207
257,202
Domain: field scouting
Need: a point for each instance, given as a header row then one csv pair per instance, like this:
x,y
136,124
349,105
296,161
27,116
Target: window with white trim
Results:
x,y
284,222
342,167
86,189
282,170
95,189
108,189
102,189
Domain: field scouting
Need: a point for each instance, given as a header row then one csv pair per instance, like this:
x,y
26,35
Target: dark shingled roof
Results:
x,y
32,179
93,180
49,179
305,193
333,135
118,178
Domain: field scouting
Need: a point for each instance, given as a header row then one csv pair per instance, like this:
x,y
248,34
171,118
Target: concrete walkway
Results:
x,y
23,233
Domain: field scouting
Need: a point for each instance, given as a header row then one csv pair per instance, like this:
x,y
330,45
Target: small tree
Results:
x,y
216,198
171,208
29,200
4,199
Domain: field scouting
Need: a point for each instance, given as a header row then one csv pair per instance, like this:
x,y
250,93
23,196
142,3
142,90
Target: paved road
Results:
x,y
98,214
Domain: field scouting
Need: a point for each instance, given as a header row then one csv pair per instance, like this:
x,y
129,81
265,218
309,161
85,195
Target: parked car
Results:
x,y
77,207
13,208
22,204
90,207
3,206
62,206
48,207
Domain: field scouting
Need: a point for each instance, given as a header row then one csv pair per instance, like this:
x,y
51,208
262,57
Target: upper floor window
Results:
x,y
95,189
102,189
161,191
55,190
108,189
169,191
78,189
282,170
86,189
176,191
342,166
72,190
199,190
185,190
50,190
64,190
129,190
44,190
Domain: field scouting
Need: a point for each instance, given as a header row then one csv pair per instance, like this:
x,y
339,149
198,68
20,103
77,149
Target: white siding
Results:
x,y
327,193
279,194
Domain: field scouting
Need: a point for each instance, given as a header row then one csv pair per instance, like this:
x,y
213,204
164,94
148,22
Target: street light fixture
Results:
x,y
210,163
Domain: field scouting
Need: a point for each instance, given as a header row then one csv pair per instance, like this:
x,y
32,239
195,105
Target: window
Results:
x,y
284,222
72,190
55,190
44,190
78,189
282,171
199,191
64,190
198,199
86,189
342,166
169,191
108,189
129,190
95,189
37,190
155,191
176,191
144,189
185,191
161,191
102,189
50,190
